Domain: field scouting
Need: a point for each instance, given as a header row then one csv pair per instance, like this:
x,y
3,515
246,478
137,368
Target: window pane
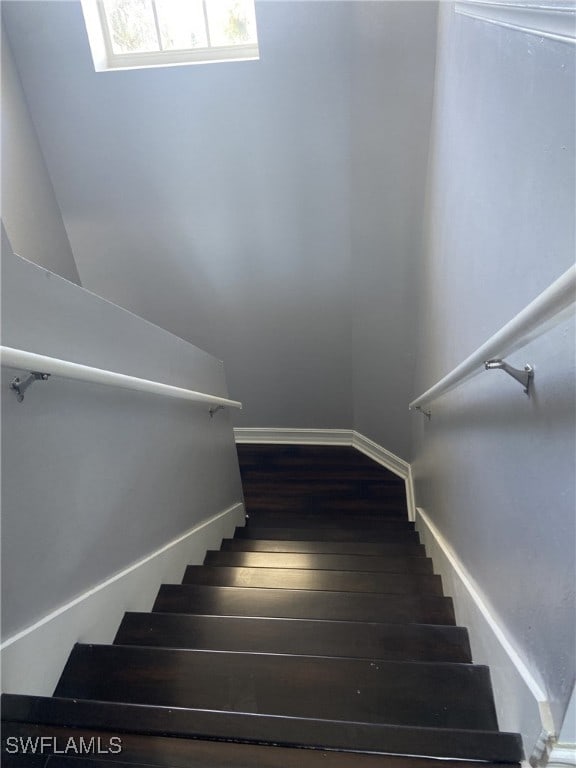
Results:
x,y
182,24
131,25
231,22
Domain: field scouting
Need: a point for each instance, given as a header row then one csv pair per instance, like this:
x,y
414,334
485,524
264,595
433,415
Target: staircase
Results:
x,y
319,625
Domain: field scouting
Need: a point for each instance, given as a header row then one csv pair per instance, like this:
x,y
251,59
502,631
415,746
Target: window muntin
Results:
x,y
141,33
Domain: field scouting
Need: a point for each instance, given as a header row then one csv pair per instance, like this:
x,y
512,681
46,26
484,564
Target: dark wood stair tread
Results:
x,y
355,737
319,562
412,642
334,501
294,578
61,761
393,549
141,750
405,535
24,761
426,694
330,519
304,604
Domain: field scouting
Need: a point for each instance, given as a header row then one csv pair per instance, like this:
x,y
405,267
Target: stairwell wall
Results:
x,y
213,199
493,469
267,211
391,105
96,478
31,216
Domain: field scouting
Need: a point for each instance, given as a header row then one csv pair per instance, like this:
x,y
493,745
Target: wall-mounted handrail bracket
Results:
x,y
426,413
215,409
554,305
525,377
21,385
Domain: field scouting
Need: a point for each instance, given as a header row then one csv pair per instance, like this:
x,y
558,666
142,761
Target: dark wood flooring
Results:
x,y
318,635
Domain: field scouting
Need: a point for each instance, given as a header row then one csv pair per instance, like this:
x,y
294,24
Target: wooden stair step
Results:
x,y
256,471
310,461
61,761
405,535
425,694
337,501
393,549
355,737
299,578
332,502
358,521
319,562
140,750
252,475
304,604
391,642
323,479
323,472
286,454
341,496
22,760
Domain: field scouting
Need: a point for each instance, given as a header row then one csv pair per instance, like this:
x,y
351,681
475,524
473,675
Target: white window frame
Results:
x,y
106,60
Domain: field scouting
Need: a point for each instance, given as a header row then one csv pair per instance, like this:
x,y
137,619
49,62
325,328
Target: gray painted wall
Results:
x,y
392,88
95,478
494,469
214,199
261,210
30,212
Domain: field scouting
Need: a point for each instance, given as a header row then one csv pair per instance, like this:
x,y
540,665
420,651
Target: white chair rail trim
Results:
x,y
30,361
554,20
547,309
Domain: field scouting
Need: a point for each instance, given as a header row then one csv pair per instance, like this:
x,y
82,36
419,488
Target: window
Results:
x,y
129,34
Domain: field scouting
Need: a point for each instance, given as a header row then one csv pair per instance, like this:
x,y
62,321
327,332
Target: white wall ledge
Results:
x,y
556,21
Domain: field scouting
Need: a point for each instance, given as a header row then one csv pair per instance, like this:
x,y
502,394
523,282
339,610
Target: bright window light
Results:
x,y
129,34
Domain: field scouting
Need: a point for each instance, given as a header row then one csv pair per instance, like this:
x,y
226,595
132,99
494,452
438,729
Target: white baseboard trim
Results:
x,y
346,437
33,659
521,701
392,462
281,436
562,755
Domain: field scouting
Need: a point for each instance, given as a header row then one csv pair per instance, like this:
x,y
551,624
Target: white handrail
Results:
x,y
547,309
30,361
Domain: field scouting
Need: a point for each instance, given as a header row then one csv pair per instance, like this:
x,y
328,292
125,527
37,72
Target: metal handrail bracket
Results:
x,y
547,309
525,377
